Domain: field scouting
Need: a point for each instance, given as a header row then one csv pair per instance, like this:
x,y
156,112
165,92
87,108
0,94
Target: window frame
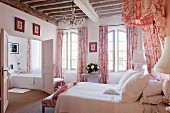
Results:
x,y
113,42
66,33
118,70
71,68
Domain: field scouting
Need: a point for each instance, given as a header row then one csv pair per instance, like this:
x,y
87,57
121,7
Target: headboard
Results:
x,y
159,76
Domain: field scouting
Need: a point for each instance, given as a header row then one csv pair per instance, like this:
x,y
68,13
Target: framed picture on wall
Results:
x,y
92,46
36,29
19,24
13,48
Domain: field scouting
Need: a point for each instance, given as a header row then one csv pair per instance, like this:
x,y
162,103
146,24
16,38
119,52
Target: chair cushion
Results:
x,y
59,91
62,89
49,101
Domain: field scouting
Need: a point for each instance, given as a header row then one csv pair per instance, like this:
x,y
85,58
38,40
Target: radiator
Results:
x,y
70,76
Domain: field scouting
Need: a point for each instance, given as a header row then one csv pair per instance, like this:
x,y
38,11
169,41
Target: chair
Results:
x,y
48,102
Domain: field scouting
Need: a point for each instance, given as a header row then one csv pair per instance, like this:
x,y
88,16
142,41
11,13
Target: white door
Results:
x,y
47,66
4,70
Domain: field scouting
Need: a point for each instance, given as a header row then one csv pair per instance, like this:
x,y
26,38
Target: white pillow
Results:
x,y
133,87
124,78
151,99
112,91
154,87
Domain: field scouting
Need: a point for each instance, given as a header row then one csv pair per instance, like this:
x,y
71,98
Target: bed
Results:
x,y
88,97
30,81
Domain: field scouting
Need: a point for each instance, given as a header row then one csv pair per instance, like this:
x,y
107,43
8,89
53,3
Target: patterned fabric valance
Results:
x,y
143,12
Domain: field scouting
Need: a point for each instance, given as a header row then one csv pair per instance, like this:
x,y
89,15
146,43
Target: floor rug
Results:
x,y
18,90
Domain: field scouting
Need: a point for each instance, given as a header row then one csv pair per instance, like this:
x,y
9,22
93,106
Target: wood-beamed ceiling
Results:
x,y
56,9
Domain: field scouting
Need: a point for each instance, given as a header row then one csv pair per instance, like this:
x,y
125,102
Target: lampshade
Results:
x,y
138,58
163,64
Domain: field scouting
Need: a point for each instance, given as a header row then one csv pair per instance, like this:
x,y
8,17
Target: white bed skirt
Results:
x,y
29,81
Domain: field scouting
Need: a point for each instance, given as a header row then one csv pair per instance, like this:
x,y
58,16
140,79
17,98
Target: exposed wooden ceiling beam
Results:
x,y
68,5
48,2
104,9
109,14
30,1
107,4
69,15
60,10
56,6
60,19
18,5
65,13
109,11
85,6
104,1
108,7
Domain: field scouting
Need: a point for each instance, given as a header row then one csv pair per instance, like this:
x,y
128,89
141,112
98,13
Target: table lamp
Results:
x,y
163,66
138,60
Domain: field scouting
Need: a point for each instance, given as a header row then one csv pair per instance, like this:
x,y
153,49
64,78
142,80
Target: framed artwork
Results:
x,y
36,29
19,24
13,48
92,46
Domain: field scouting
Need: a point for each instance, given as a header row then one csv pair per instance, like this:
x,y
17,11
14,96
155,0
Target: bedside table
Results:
x,y
96,78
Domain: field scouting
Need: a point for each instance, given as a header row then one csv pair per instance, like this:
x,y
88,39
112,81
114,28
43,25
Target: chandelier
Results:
x,y
73,22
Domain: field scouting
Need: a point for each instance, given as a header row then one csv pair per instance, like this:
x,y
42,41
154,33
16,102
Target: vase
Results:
x,y
166,88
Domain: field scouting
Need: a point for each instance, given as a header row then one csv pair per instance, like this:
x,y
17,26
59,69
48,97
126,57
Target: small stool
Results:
x,y
58,82
48,102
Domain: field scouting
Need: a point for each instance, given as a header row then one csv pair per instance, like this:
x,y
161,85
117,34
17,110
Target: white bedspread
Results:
x,y
89,98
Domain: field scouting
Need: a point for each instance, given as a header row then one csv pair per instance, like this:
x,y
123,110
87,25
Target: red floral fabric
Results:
x,y
143,12
82,52
132,38
49,101
28,56
59,72
103,53
152,45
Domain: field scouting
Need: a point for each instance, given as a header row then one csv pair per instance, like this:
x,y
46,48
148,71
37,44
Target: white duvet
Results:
x,y
89,98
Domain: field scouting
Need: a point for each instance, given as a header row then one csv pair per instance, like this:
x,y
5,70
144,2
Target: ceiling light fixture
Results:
x,y
73,22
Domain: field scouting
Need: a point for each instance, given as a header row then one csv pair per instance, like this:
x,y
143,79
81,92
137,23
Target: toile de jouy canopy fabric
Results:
x,y
143,12
150,15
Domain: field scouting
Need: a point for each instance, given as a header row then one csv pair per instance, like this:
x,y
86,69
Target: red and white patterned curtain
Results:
x,y
29,56
103,53
143,13
82,52
152,46
132,38
59,72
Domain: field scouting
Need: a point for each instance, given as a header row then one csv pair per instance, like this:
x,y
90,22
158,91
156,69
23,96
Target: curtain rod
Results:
x,y
99,26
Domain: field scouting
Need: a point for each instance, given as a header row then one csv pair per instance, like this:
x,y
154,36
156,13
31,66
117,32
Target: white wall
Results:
x,y
48,30
93,36
8,13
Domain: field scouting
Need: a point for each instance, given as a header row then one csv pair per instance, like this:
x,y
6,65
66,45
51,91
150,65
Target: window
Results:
x,y
74,50
117,53
36,54
70,50
65,51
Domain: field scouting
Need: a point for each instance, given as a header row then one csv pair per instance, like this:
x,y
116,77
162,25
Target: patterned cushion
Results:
x,y
49,102
59,91
59,83
63,88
